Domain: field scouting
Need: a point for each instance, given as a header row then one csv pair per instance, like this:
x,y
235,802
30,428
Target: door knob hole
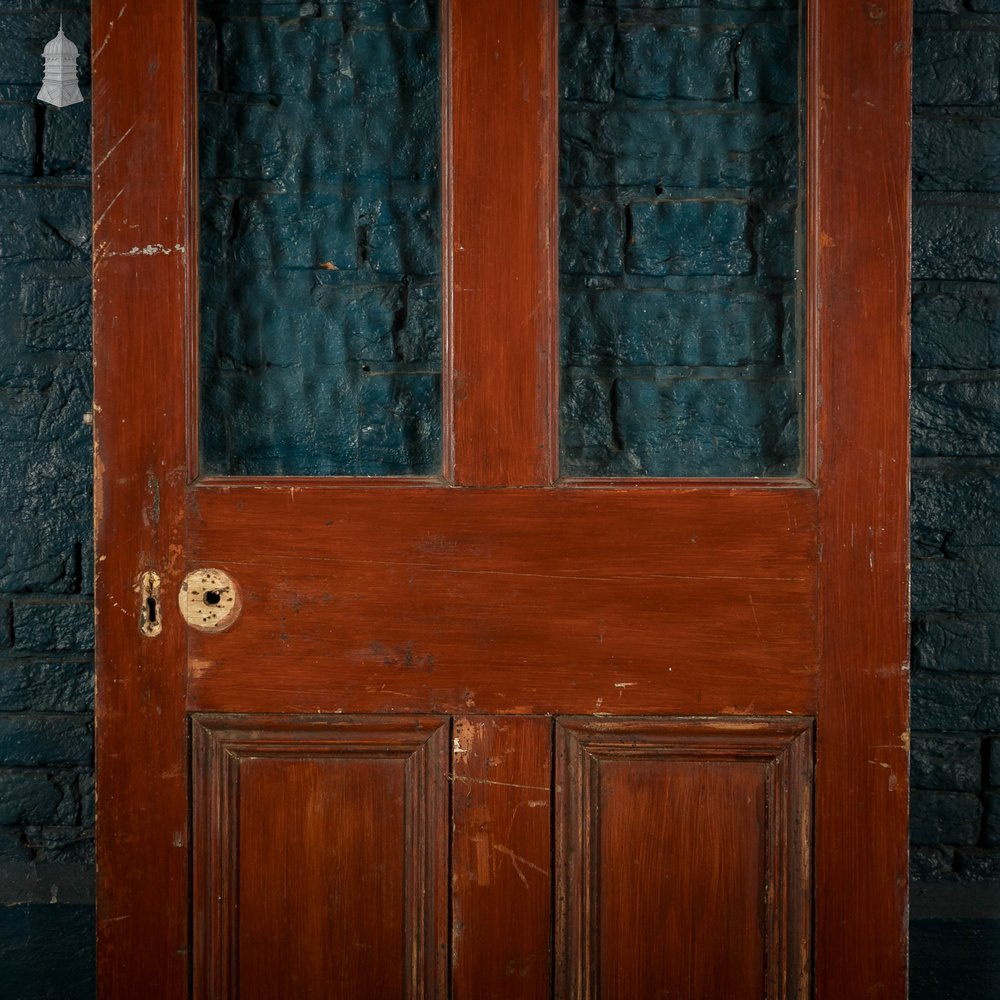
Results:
x,y
209,600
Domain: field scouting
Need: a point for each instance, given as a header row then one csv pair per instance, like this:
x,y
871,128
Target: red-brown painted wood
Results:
x,y
683,858
708,600
500,151
320,857
142,252
858,157
502,858
535,601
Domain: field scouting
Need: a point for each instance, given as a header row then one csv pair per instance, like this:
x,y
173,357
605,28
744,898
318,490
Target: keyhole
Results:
x,y
149,604
212,597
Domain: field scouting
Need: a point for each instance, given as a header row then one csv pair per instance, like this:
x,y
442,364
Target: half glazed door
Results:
x,y
416,678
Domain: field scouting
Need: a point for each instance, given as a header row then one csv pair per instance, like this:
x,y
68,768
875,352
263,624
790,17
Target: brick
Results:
x,y
699,427
412,14
957,644
56,845
404,237
654,327
992,838
956,242
56,312
45,491
44,224
956,417
955,330
45,740
42,402
927,862
586,62
207,44
591,237
285,231
87,798
969,581
946,763
977,863
767,63
17,152
267,133
399,423
957,505
689,238
944,818
732,4
956,154
267,56
954,702
31,686
47,626
775,242
263,412
955,68
739,149
588,433
66,142
657,63
37,797
398,322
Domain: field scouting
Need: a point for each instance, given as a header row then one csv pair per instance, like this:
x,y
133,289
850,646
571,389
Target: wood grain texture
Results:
x,y
858,243
499,229
501,858
321,857
682,858
530,601
669,599
142,253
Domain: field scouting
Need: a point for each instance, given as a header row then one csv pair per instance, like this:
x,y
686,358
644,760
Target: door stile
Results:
x,y
141,268
859,151
500,367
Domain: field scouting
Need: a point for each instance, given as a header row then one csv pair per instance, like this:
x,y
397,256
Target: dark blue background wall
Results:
x,y
46,856
955,769
46,632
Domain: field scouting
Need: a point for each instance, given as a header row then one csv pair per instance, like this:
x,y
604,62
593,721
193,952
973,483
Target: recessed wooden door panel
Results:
x,y
683,860
320,847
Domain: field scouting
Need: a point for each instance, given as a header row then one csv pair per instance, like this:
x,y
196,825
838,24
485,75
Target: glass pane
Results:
x,y
679,176
320,237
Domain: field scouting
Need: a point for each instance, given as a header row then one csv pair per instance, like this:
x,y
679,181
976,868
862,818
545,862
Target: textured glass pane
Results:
x,y
678,188
320,237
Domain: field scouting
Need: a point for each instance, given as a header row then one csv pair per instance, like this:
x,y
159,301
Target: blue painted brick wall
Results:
x,y
46,624
319,169
678,186
955,771
46,916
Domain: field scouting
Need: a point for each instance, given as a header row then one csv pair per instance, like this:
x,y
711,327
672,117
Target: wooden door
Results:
x,y
498,733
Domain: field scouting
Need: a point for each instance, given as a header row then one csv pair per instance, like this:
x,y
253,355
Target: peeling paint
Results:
x,y
151,250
